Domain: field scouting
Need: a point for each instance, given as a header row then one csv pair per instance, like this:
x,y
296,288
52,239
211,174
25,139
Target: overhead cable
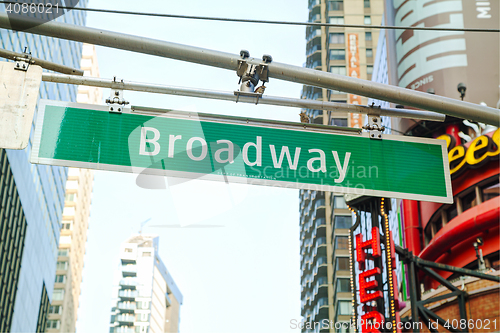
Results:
x,y
312,24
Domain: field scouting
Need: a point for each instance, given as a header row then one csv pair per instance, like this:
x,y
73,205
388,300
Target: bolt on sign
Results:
x,y
242,150
354,71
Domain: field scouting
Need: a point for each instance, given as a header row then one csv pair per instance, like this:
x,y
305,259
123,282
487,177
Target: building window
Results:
x,y
344,308
53,324
60,278
62,252
58,295
343,222
491,190
369,70
368,36
55,309
336,19
62,265
366,3
322,280
66,226
127,249
342,263
337,54
338,122
451,213
338,70
336,5
146,254
368,20
469,200
369,53
339,202
341,243
337,38
343,285
70,197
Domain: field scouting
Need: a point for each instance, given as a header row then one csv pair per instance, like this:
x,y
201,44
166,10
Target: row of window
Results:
x,y
58,295
339,54
341,70
60,278
55,309
339,4
339,37
340,20
62,265
55,324
475,196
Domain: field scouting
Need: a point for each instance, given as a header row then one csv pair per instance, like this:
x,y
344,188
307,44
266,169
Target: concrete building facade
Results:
x,y
146,298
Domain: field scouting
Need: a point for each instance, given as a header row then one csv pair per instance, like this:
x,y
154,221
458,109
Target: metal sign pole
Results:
x,y
230,96
280,71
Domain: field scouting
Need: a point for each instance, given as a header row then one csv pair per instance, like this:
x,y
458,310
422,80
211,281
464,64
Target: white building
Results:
x,y
146,298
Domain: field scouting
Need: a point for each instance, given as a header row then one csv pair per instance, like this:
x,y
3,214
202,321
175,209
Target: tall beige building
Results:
x,y
324,217
65,299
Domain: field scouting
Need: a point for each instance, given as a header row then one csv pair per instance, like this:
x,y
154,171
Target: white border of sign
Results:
x,y
34,158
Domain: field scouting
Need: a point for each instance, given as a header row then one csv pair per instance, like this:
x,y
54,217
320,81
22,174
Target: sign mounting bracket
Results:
x,y
374,127
116,102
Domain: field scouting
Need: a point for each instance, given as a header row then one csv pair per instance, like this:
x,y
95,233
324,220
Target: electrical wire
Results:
x,y
312,24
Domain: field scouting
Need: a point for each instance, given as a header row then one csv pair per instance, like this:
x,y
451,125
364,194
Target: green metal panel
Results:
x,y
397,166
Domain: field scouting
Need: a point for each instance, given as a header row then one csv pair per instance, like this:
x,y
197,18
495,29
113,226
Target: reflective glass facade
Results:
x,y
40,188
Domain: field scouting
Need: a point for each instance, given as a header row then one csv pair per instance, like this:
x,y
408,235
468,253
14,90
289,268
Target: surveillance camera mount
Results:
x,y
251,74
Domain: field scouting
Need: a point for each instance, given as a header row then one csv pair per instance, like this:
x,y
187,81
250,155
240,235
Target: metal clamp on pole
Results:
x,y
250,75
23,61
27,59
374,127
116,102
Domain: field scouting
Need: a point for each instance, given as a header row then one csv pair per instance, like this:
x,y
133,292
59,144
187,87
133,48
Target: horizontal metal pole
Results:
x,y
229,96
40,62
407,97
245,120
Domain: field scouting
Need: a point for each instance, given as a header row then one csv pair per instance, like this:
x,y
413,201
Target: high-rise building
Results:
x,y
324,217
32,199
63,310
146,298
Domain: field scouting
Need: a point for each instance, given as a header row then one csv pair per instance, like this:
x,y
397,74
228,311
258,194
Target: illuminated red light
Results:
x,y
364,286
373,243
373,322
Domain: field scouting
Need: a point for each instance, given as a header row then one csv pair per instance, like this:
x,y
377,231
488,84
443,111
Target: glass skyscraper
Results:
x,y
32,198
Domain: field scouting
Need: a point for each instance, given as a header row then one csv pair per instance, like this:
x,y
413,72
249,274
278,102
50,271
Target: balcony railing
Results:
x,y
126,306
124,329
129,270
129,283
313,49
314,3
127,293
314,18
125,319
314,33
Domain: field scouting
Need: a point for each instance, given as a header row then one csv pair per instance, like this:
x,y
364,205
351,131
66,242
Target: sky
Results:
x,y
244,274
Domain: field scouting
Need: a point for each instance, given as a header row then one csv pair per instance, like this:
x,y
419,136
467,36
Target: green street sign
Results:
x,y
232,149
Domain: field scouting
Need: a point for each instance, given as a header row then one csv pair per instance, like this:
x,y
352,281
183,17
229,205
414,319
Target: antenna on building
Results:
x,y
142,225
